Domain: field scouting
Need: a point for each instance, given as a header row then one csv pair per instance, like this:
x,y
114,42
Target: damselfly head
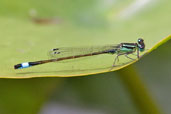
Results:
x,y
141,44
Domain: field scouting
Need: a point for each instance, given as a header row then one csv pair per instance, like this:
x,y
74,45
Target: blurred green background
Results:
x,y
78,22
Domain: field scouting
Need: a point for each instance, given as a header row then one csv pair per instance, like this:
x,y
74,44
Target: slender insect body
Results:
x,y
60,54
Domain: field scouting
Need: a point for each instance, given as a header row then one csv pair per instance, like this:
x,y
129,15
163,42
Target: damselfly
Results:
x,y
61,54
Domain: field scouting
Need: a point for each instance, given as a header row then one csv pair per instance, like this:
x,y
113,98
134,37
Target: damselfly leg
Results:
x,y
126,55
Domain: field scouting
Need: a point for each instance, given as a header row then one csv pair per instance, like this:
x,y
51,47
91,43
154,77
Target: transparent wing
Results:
x,y
73,51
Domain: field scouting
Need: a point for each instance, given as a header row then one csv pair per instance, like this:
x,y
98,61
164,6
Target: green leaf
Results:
x,y
82,23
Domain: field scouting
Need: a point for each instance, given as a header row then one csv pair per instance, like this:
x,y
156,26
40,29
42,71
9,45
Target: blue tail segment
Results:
x,y
26,65
22,65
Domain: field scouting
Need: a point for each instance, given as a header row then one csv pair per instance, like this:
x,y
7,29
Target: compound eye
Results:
x,y
141,44
140,40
